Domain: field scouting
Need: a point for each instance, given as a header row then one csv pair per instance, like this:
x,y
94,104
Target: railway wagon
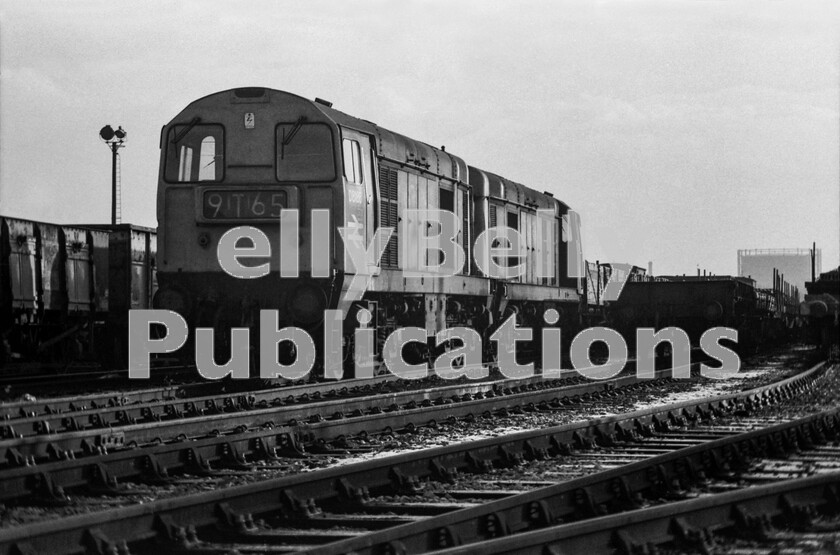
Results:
x,y
605,280
131,283
65,290
697,303
248,155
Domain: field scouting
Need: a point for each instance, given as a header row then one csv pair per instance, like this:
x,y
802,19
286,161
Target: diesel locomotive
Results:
x,y
245,157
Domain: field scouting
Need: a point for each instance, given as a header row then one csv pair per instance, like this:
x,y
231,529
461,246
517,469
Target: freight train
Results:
x,y
242,156
248,157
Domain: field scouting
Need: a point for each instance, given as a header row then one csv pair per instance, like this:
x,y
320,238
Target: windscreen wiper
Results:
x,y
288,138
183,132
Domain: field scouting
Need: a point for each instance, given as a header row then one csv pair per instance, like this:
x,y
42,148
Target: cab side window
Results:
x,y
352,154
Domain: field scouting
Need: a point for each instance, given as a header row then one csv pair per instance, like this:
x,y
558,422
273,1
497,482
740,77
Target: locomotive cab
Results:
x,y
242,158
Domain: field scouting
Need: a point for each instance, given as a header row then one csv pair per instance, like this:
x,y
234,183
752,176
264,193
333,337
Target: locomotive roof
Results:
x,y
398,148
511,191
402,149
406,151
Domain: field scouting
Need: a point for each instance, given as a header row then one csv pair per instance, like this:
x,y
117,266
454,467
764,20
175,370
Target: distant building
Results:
x,y
795,264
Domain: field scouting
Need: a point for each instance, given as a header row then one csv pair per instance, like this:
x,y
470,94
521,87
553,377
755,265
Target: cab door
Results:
x,y
357,164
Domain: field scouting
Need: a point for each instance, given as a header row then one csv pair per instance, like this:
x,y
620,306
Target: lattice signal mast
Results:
x,y
115,141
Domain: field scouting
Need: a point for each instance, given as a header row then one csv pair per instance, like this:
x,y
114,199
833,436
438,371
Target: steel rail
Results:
x,y
101,469
16,411
301,495
618,489
116,412
39,382
694,525
330,418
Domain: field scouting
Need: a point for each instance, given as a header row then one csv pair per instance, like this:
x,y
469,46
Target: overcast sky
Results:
x,y
680,130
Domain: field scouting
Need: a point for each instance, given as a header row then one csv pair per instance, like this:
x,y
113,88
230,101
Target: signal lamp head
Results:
x,y
107,133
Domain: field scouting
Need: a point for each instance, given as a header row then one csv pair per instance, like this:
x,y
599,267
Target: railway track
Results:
x,y
351,497
319,412
49,409
796,516
220,393
14,411
80,381
34,393
116,394
98,465
673,462
115,389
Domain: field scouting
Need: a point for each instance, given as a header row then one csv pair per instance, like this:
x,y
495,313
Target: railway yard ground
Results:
x,y
747,464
